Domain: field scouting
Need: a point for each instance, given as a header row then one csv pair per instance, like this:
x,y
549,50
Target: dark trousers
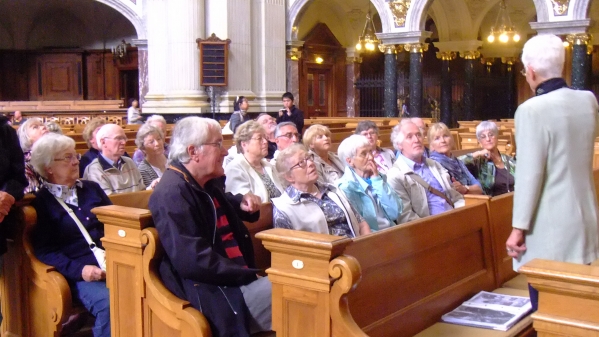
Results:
x,y
95,298
534,298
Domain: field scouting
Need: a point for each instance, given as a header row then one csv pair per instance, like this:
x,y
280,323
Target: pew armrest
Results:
x,y
346,272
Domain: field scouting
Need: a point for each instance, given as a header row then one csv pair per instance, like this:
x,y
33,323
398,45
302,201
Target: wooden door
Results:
x,y
319,92
60,77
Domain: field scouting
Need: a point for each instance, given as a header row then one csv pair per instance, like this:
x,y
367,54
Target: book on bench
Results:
x,y
490,311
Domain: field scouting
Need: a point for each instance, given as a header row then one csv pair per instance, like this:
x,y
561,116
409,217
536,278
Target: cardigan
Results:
x,y
242,178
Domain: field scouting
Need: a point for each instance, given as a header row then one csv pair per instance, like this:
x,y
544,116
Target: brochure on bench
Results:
x,y
490,311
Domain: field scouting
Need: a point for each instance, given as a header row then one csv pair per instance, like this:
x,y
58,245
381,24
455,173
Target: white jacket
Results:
x,y
242,178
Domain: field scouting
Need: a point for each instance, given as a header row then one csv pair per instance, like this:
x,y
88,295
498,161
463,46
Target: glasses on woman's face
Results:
x,y
304,162
150,142
69,158
260,139
489,136
370,133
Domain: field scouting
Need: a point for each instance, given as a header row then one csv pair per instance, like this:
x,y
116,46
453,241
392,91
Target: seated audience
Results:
x,y
494,170
365,188
269,124
317,138
423,185
249,171
29,132
150,140
54,127
134,113
311,206
441,143
57,238
160,123
17,118
383,158
209,258
114,172
89,135
285,135
290,113
239,115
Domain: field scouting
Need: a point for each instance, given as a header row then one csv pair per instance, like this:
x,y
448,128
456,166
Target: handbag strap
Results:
x,y
84,232
429,188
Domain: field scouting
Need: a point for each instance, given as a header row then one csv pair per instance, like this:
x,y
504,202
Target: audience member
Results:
x,y
383,158
249,171
290,113
134,113
494,170
239,115
209,258
365,188
63,206
285,135
318,139
308,205
150,140
17,118
54,127
441,143
422,184
29,132
89,135
555,208
114,172
269,124
160,123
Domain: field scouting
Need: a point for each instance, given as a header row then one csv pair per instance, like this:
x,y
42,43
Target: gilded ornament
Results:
x,y
416,47
399,9
560,7
446,55
470,54
579,39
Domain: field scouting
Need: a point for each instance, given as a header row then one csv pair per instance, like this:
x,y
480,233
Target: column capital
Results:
x,y
579,39
353,59
509,60
140,43
470,54
390,48
416,47
294,50
446,55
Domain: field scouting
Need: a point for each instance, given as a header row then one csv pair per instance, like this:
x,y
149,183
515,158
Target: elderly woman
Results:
x,y
250,171
89,135
366,188
150,140
160,123
383,158
54,127
63,207
310,206
29,132
317,138
441,144
494,170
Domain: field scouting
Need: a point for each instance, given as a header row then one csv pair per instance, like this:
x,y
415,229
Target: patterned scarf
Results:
x,y
453,165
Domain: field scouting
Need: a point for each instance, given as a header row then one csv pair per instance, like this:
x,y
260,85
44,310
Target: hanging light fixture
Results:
x,y
368,41
503,30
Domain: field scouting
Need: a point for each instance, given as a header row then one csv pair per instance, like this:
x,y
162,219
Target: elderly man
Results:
x,y
555,209
155,121
423,185
285,135
209,257
269,124
112,170
17,118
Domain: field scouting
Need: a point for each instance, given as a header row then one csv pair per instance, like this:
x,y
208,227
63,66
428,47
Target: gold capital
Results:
x,y
470,54
509,60
399,9
446,55
294,53
579,39
560,7
416,47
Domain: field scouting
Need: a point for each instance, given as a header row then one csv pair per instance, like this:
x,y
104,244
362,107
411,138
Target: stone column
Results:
x,y
580,74
390,80
446,87
416,50
352,65
142,64
294,54
511,87
468,102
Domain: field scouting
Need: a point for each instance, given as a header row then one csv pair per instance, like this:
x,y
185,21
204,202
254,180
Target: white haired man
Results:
x,y
423,185
114,172
209,257
285,135
555,209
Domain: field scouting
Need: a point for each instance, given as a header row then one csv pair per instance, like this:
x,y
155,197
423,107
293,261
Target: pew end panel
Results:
x,y
261,254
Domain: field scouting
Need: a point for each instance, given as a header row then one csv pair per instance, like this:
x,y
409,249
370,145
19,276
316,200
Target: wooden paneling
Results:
x,y
61,76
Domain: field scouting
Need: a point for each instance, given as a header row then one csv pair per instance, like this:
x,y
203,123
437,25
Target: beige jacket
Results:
x,y
242,178
326,173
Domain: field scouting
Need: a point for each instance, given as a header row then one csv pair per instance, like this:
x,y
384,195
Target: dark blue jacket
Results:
x,y
56,239
297,117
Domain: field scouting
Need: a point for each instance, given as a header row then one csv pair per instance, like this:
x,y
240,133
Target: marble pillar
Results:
x,y
511,86
580,74
468,101
416,50
446,87
390,100
353,95
294,54
142,61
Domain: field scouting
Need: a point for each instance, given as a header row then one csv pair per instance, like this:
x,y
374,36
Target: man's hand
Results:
x,y
458,186
6,202
281,112
250,203
92,273
515,244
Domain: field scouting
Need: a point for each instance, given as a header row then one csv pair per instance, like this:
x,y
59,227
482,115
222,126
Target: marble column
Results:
x,y
446,87
580,74
416,50
468,101
142,64
390,81
352,68
294,54
511,85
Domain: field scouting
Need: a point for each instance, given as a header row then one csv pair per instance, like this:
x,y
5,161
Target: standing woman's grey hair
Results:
x,y
190,131
545,54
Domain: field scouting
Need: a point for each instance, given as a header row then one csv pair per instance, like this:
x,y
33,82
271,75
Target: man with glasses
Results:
x,y
285,135
112,170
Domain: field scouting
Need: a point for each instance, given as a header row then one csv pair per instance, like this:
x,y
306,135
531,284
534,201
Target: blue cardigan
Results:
x,y
56,239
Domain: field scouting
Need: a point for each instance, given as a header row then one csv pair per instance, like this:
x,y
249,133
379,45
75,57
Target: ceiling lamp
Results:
x,y
368,41
503,30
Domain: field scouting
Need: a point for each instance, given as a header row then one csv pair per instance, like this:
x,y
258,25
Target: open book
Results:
x,y
490,311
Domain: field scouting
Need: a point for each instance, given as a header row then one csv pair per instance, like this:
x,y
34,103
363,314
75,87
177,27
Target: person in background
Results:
x,y
89,135
54,127
30,132
239,115
383,158
150,140
269,124
160,123
17,118
134,113
290,113
555,205
318,139
285,135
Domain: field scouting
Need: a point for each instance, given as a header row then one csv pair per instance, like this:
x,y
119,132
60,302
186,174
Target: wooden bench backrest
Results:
x,y
261,254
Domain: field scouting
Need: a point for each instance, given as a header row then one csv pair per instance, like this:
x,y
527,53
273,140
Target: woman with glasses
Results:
x,y
250,171
150,140
494,170
365,187
383,158
62,202
318,139
312,206
29,132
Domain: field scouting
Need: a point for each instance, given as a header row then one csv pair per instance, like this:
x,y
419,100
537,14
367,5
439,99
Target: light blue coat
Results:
x,y
354,188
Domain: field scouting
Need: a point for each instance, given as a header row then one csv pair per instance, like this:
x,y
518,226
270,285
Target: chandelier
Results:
x,y
368,40
503,30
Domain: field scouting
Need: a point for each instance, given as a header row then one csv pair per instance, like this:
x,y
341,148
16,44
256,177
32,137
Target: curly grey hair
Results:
x,y
46,148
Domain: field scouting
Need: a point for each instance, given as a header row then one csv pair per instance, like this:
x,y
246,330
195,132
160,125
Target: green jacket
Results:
x,y
484,169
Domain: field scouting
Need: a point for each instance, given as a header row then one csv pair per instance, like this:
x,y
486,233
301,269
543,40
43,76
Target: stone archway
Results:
x,y
128,13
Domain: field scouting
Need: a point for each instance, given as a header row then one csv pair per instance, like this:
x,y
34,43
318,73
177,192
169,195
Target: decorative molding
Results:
x,y
389,48
562,27
560,7
399,9
294,53
213,38
509,60
416,47
470,54
579,39
446,55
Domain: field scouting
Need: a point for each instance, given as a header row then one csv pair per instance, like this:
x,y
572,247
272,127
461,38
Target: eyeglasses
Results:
x,y
260,139
488,136
523,71
290,135
369,133
69,158
304,162
153,141
118,138
218,144
364,154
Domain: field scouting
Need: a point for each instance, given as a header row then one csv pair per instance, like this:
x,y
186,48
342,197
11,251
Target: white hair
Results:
x,y
545,54
190,131
105,131
350,145
486,126
155,118
397,135
145,131
23,131
46,148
